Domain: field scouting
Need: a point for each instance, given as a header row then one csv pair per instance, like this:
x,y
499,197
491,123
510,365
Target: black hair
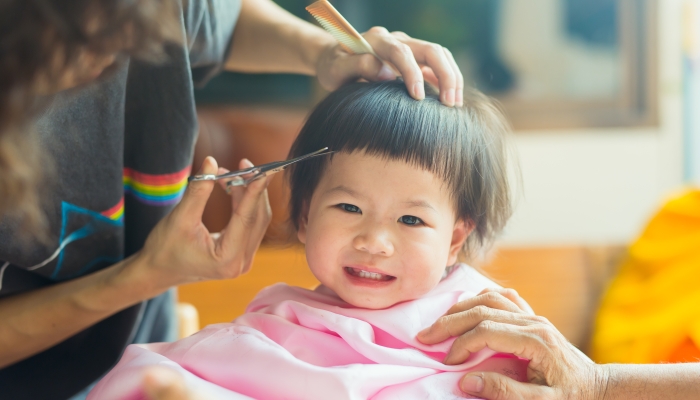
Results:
x,y
462,145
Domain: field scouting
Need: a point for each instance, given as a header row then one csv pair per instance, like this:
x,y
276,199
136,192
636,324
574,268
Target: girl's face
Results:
x,y
379,232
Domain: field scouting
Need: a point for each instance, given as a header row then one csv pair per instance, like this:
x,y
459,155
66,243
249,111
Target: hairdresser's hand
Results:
x,y
500,320
416,60
162,383
180,249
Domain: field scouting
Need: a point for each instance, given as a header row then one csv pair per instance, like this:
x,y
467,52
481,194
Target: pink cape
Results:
x,y
294,343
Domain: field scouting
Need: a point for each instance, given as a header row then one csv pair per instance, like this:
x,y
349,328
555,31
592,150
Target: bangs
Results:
x,y
390,124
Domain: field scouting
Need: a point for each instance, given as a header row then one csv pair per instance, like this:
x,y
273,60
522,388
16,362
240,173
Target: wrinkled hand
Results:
x,y
180,249
502,321
416,60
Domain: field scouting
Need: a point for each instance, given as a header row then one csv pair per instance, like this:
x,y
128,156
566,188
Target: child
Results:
x,y
411,185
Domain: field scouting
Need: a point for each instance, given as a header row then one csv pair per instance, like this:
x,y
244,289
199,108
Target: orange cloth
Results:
x,y
651,312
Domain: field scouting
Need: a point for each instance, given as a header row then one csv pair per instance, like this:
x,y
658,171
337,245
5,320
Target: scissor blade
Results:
x,y
270,168
259,170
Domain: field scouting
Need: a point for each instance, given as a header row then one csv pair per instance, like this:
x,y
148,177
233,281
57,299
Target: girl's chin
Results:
x,y
323,289
351,300
360,301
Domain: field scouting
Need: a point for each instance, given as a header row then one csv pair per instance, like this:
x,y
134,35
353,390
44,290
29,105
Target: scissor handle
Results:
x,y
259,171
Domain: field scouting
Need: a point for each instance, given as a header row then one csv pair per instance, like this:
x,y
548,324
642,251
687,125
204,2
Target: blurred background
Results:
x,y
603,97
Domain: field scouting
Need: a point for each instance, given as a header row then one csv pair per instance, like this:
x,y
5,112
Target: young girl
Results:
x,y
411,185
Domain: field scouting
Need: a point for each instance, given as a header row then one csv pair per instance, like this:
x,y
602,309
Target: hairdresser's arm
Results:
x,y
557,369
179,250
269,39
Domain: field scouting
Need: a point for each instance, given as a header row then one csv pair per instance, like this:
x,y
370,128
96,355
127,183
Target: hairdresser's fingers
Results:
x,y
527,341
443,328
222,182
496,386
456,324
236,192
430,76
552,362
255,224
197,193
263,210
161,383
460,317
441,61
337,67
245,229
350,67
264,214
497,299
512,295
389,48
459,90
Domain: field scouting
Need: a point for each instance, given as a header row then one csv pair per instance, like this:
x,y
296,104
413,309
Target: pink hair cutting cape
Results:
x,y
294,343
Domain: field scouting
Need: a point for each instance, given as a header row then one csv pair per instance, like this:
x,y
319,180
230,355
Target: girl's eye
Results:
x,y
410,220
350,208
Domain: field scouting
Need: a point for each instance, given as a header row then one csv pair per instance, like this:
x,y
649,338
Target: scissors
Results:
x,y
258,172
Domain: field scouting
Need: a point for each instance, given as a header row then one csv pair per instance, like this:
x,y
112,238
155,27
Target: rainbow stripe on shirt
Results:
x,y
156,190
115,213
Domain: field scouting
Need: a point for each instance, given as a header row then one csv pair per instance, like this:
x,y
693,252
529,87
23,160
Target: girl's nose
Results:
x,y
375,241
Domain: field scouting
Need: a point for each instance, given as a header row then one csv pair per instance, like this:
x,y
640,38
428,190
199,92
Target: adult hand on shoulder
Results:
x,y
180,249
416,60
502,321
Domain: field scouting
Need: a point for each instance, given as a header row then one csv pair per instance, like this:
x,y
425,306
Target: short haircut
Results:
x,y
462,145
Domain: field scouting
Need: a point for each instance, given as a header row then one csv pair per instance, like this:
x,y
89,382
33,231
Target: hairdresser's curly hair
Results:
x,y
39,41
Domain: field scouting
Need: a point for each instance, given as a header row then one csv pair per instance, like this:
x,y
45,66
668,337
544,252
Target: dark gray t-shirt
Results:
x,y
120,153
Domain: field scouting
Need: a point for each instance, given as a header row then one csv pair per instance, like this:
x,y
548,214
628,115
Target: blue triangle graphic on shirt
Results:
x,y
78,226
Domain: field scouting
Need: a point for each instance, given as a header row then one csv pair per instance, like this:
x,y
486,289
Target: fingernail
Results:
x,y
449,359
423,333
418,91
449,98
459,101
209,160
472,384
385,74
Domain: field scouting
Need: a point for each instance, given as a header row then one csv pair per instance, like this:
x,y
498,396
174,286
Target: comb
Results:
x,y
350,40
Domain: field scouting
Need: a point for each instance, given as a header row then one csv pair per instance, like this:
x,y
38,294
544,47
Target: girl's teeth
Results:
x,y
368,275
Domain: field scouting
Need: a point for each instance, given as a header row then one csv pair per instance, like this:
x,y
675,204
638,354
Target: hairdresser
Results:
x,y
97,127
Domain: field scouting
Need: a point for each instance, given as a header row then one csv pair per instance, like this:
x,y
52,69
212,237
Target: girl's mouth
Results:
x,y
373,276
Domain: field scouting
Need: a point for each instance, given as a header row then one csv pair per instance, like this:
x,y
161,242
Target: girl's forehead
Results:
x,y
358,162
381,175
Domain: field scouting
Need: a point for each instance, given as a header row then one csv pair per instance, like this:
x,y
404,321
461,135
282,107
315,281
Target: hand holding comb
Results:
x,y
348,38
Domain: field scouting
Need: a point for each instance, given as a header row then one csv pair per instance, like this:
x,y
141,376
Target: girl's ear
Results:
x,y
460,233
303,222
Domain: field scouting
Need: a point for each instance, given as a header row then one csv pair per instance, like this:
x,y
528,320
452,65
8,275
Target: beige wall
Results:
x,y
600,186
